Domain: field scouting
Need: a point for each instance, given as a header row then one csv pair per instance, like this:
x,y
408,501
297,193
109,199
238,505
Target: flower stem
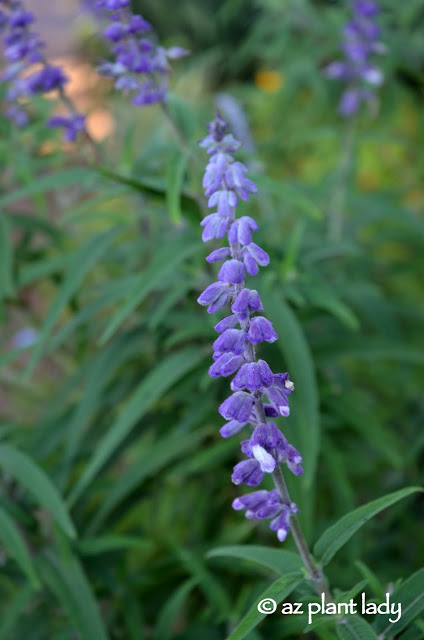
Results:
x,y
315,573
338,204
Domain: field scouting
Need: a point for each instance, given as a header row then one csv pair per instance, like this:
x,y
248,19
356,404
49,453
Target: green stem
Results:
x,y
338,204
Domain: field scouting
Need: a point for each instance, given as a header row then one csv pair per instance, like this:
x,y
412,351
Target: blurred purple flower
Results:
x,y
139,66
22,49
357,70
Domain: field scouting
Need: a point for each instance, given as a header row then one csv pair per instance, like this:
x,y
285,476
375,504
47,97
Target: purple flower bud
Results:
x,y
237,407
366,8
231,428
231,340
219,254
226,323
72,125
261,330
241,230
225,201
215,226
251,500
232,271
246,302
253,256
217,295
248,472
235,179
253,376
226,364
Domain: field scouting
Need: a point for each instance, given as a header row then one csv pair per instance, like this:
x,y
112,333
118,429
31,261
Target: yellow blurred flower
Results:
x,y
269,81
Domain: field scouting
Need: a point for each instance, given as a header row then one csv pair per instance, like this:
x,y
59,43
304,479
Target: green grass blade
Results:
x,y
34,479
161,378
164,264
81,263
13,541
278,591
70,586
6,259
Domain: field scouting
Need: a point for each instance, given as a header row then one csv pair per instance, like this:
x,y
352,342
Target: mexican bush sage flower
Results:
x,y
27,72
225,184
140,67
357,70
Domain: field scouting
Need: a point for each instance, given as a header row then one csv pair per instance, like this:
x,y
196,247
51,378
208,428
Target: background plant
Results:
x,y
114,476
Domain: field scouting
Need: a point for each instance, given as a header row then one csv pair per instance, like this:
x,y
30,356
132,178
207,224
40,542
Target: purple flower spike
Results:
x,y
140,66
225,184
361,42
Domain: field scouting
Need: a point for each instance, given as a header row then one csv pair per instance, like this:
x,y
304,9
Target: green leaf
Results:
x,y
410,594
81,264
165,262
6,259
208,583
339,533
154,385
70,586
291,194
355,628
150,188
65,178
169,612
278,591
278,560
152,460
324,299
176,167
34,479
13,541
15,609
106,544
304,401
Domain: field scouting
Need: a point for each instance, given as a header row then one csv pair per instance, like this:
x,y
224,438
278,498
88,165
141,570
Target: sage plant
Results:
x,y
27,71
266,447
358,70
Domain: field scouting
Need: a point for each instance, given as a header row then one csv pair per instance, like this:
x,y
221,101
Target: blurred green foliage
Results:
x,y
115,483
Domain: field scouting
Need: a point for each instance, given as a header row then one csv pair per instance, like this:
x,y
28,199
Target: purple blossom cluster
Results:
x,y
357,70
23,49
225,184
139,66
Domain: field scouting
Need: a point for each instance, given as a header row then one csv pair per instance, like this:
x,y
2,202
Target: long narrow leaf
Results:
x,y
13,541
339,533
146,394
25,471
